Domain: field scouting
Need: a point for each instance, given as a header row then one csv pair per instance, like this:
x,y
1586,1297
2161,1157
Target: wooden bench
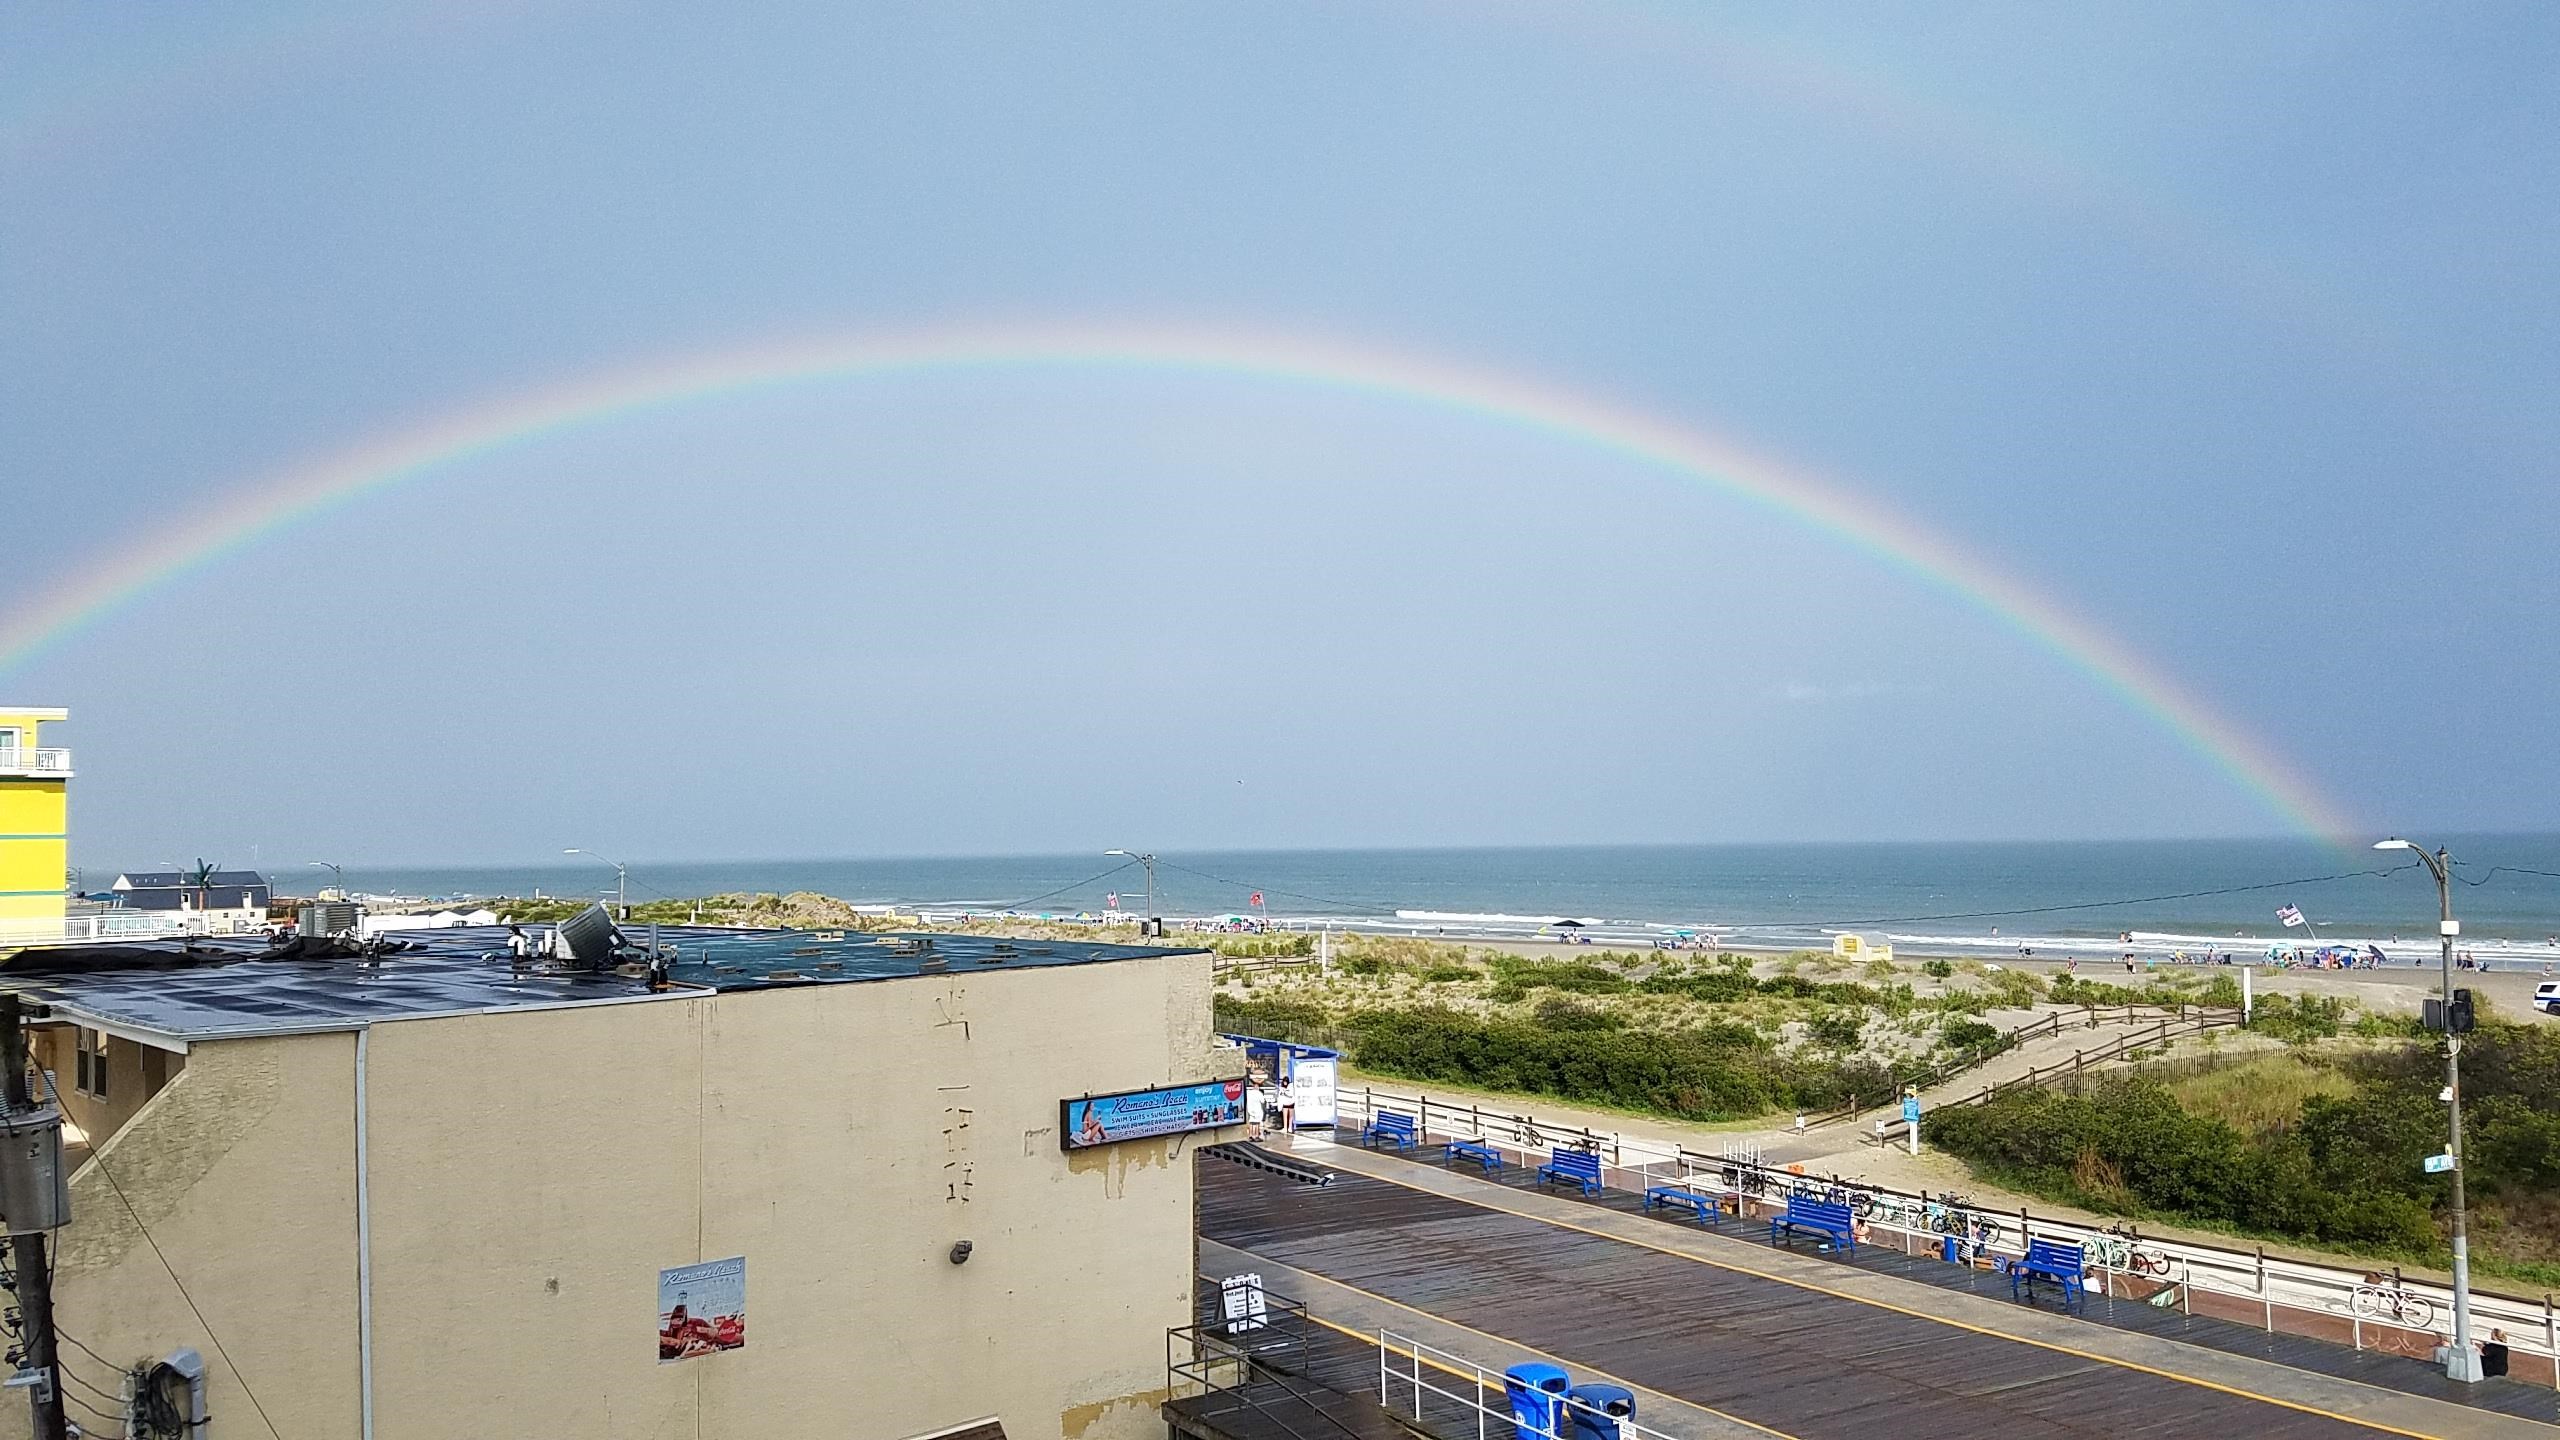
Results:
x,y
1480,1151
1572,1167
1389,1127
1817,1217
2055,1261
1707,1208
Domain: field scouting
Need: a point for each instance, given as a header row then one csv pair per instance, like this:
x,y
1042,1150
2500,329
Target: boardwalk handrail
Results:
x,y
1492,1411
2086,1017
2278,1288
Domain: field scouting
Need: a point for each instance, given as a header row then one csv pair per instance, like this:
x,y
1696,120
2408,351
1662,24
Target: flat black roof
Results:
x,y
469,969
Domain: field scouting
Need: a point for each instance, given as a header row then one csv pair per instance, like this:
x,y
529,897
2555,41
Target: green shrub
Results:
x,y
1712,1072
1967,1037
2298,1019
1558,1013
1936,969
1273,1019
1838,1029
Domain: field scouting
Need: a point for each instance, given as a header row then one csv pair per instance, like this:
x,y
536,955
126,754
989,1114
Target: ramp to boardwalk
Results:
x,y
1769,1349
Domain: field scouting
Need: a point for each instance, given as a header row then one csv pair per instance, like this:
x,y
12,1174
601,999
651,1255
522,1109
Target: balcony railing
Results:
x,y
110,926
19,760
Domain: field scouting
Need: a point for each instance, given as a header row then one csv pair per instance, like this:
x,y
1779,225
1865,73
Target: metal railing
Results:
x,y
2389,1311
1403,1386
112,925
23,760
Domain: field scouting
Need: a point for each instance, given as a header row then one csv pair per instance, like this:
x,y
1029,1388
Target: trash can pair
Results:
x,y
1547,1405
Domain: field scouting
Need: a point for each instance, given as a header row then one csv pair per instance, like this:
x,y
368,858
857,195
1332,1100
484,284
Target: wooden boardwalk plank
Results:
x,y
1807,1364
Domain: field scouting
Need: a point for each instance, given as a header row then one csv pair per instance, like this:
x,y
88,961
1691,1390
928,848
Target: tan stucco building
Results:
x,y
433,1196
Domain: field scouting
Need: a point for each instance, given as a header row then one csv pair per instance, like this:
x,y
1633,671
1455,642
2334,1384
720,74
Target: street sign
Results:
x,y
1911,1109
2439,1164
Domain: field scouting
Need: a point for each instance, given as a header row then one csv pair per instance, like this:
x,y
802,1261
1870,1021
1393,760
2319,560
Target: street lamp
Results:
x,y
338,877
1150,927
621,881
2461,1362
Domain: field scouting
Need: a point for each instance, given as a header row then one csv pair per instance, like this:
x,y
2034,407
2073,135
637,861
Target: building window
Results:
x,y
91,1074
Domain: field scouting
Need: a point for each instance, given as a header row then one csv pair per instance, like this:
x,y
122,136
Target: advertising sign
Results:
x,y
1141,1114
702,1309
1311,1090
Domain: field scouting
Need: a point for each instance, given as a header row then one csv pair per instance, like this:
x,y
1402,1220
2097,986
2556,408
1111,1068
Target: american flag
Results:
x,y
2290,915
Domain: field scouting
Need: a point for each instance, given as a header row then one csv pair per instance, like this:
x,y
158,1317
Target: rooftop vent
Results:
x,y
587,939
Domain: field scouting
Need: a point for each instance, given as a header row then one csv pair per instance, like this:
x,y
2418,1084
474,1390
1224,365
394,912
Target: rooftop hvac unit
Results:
x,y
322,918
587,939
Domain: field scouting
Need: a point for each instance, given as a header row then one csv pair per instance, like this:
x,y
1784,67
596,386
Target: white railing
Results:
x,y
1409,1370
2336,1303
20,760
108,926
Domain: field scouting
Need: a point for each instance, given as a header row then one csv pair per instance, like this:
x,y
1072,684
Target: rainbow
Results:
x,y
305,492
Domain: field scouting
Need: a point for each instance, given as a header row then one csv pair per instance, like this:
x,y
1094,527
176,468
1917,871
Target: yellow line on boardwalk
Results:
x,y
1887,1305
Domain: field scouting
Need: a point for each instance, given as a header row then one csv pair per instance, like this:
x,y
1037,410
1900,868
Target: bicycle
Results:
x,y
2397,1307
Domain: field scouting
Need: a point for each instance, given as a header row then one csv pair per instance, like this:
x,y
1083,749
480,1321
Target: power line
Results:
x,y
116,1420
153,1241
1063,889
65,1372
2495,871
2136,900
59,1334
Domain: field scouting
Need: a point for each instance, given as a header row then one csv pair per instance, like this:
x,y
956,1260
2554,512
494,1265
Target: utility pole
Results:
x,y
2461,1362
1152,925
621,881
34,1270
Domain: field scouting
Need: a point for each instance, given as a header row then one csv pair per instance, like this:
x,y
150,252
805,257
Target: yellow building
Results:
x,y
35,852
817,1186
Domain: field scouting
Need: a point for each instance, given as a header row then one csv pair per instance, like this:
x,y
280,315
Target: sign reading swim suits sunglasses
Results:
x,y
1139,1114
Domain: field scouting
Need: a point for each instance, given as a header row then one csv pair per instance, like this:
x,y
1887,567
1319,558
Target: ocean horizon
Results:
x,y
2079,896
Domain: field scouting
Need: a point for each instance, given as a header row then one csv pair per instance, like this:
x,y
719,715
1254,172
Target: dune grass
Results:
x,y
2259,1095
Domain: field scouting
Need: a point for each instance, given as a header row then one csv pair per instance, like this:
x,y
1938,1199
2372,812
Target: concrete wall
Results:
x,y
135,1073
242,1170
531,1173
34,850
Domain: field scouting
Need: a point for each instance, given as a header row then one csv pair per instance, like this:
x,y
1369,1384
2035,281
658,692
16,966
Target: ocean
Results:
x,y
2075,898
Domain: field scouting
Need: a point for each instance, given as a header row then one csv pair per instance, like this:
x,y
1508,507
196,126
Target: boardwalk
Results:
x,y
1800,1362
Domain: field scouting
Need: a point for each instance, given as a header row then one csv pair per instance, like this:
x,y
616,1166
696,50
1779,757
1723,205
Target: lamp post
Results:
x,y
2461,1362
337,877
1150,927
621,881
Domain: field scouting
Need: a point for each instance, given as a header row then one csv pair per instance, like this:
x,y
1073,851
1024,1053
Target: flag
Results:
x,y
1256,901
2289,915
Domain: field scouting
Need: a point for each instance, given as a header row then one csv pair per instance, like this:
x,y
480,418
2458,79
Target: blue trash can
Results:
x,y
1598,1410
1534,1391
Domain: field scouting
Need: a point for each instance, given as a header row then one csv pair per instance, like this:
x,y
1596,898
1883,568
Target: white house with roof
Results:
x,y
219,900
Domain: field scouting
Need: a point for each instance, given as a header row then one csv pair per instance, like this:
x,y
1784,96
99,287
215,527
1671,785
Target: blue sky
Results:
x,y
2233,328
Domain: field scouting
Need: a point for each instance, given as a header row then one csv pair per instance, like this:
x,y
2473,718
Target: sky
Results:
x,y
2230,330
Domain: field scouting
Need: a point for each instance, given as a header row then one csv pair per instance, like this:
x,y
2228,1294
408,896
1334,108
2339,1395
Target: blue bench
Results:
x,y
1817,1217
1572,1167
1480,1151
2059,1263
1391,1128
1706,1207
